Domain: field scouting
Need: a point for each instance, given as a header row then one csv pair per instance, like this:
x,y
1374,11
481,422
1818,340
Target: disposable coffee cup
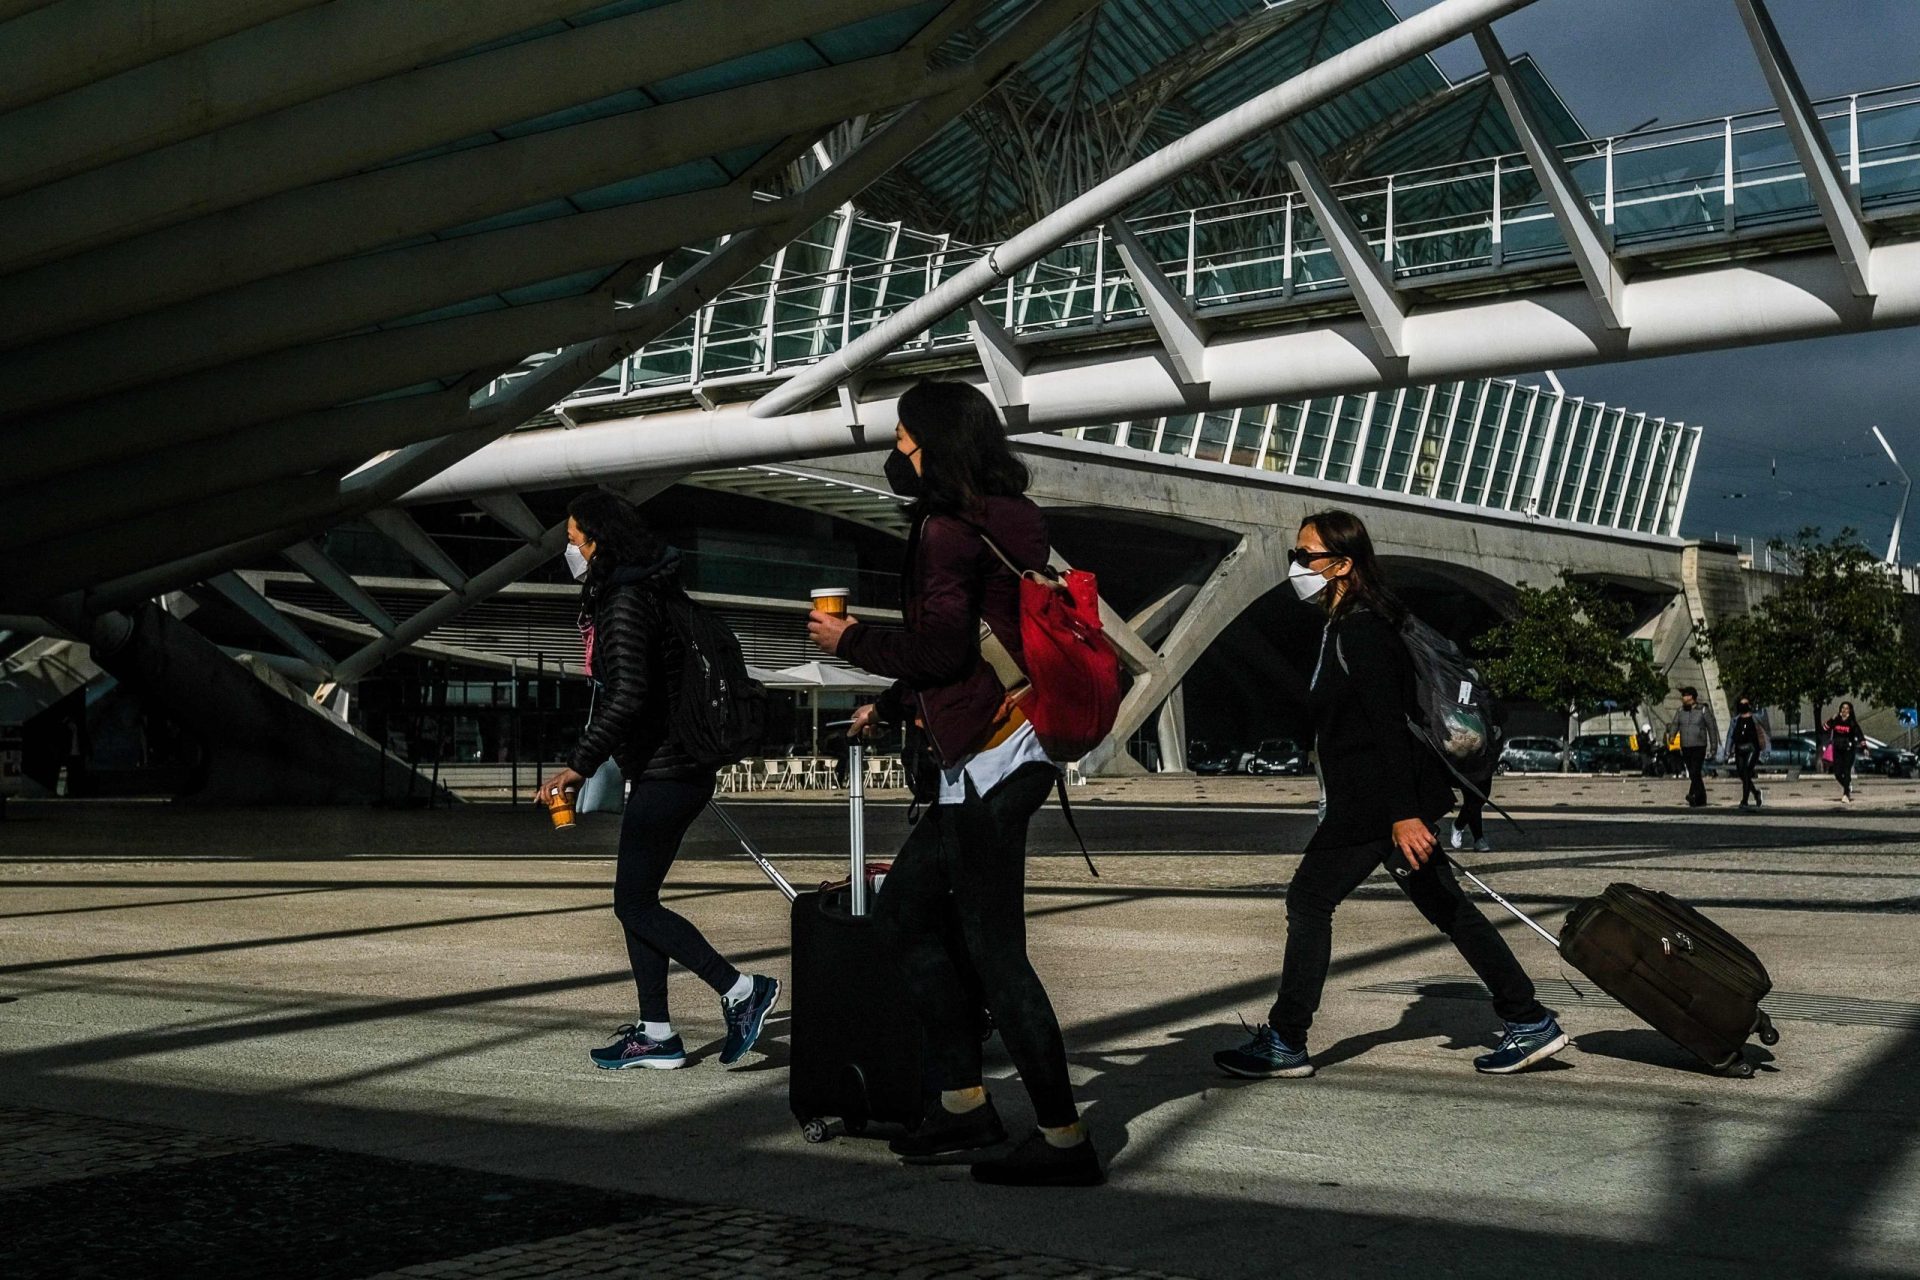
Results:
x,y
830,599
560,808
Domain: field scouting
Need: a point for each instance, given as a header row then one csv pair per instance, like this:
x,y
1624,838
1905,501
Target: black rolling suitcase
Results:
x,y
1684,975
855,1047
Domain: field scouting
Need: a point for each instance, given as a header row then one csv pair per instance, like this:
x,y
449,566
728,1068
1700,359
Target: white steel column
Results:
x,y
1824,179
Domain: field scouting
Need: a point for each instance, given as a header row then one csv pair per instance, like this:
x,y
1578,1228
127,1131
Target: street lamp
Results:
x,y
1906,481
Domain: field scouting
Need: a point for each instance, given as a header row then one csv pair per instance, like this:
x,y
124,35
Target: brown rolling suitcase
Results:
x,y
1687,977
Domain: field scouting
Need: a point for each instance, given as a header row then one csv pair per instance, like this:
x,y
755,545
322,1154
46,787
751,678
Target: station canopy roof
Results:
x,y
246,248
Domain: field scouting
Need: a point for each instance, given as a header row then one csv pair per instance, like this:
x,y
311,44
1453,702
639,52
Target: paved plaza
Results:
x,y
353,1042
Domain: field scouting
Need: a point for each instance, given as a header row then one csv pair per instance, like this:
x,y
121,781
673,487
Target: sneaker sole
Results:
x,y
651,1064
759,1024
1546,1050
1278,1073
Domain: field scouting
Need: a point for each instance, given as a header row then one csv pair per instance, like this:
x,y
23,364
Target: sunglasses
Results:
x,y
1303,557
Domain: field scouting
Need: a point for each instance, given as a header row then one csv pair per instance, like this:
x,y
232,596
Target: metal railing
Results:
x,y
1683,183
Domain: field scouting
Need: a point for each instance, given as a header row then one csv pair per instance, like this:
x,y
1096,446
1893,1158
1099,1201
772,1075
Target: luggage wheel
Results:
x,y
1740,1069
1763,1026
815,1130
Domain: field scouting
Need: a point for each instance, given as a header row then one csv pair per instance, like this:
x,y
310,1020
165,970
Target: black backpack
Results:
x,y
1452,707
719,712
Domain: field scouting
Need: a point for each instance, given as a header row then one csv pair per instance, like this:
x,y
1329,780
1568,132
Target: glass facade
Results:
x,y
1491,443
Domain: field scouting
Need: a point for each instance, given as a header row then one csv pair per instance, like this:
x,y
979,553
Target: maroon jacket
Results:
x,y
952,580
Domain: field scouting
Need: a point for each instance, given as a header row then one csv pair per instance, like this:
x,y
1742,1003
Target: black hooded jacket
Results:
x,y
636,673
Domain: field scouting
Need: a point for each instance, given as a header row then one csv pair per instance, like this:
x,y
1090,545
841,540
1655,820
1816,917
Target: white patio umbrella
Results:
x,y
817,676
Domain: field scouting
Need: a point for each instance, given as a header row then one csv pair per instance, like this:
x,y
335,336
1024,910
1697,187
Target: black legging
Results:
x,y
1745,761
1473,806
658,815
971,859
1843,769
1323,881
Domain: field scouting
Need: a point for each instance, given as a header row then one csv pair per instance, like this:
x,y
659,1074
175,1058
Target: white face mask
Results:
x,y
576,562
1306,583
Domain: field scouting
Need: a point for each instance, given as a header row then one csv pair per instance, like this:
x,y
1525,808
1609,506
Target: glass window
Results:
x,y
1472,403
1405,437
1178,434
1346,437
1485,440
1286,433
1215,430
1315,431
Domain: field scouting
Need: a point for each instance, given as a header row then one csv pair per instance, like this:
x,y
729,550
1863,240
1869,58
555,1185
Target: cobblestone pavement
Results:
x,y
85,1197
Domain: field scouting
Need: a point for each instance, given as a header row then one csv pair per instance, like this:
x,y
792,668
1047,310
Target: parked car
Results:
x,y
1542,755
1609,752
1282,756
1203,757
1892,762
1801,749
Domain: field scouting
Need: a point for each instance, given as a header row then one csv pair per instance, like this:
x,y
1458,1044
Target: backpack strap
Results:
x,y
1066,811
1461,778
992,648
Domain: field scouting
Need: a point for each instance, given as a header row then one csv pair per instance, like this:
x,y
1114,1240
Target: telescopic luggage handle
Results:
x,y
857,826
780,882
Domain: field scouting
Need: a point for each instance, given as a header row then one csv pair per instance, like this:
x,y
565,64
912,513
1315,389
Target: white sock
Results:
x,y
740,990
1067,1135
657,1031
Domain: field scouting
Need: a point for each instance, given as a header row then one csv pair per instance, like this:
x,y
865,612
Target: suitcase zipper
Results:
x,y
1723,968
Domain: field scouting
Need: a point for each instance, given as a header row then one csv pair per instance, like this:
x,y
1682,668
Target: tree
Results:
x,y
1566,647
1835,627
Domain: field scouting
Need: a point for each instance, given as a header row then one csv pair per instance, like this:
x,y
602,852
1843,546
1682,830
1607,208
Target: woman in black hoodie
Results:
x,y
1844,741
628,585
1382,790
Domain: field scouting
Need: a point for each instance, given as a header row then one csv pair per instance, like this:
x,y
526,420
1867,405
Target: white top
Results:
x,y
991,767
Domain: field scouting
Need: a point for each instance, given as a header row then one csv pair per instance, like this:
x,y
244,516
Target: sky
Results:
x,y
1786,440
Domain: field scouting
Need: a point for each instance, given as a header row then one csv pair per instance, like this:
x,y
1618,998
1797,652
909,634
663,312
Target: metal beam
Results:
x,y
237,592
1711,308
381,89
172,320
1003,361
878,151
405,532
1824,179
59,47
1419,34
1367,276
246,214
1587,240
487,582
131,470
316,564
513,514
1181,332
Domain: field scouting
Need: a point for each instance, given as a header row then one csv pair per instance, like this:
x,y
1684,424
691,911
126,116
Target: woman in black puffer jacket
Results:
x,y
628,588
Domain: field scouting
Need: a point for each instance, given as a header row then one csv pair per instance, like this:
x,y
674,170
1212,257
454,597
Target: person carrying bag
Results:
x,y
983,772
1383,789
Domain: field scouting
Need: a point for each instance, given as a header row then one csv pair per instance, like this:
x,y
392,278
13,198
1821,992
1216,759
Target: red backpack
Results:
x,y
1071,668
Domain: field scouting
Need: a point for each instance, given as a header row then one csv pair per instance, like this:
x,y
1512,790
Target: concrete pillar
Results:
x,y
1253,567
266,743
1173,732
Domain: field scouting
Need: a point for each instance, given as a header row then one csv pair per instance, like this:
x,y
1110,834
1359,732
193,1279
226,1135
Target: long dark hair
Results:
x,y
1342,533
619,536
964,458
1846,717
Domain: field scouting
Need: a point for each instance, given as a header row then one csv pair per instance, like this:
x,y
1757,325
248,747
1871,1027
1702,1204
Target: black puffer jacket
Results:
x,y
636,672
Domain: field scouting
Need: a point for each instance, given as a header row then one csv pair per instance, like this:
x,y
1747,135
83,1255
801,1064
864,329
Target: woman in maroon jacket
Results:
x,y
987,777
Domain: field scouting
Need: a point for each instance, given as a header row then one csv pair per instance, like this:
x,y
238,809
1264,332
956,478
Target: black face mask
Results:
x,y
901,477
1745,708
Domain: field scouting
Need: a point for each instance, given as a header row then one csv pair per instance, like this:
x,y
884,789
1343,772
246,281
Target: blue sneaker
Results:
x,y
1524,1044
1265,1057
632,1048
745,1019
